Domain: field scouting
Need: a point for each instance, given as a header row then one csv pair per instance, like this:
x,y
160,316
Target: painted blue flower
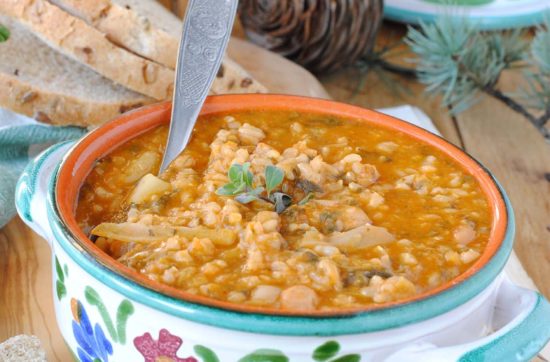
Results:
x,y
93,346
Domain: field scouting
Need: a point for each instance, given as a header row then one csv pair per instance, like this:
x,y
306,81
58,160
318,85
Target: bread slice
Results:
x,y
146,28
22,348
128,28
39,82
82,42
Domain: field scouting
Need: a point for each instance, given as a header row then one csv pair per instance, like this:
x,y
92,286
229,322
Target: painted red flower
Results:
x,y
163,350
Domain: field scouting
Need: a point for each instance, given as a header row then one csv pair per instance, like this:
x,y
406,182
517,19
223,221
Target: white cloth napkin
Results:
x,y
412,115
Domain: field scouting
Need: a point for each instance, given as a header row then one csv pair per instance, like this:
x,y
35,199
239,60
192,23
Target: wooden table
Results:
x,y
499,138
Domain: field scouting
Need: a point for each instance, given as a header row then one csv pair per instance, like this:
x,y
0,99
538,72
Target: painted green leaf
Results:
x,y
206,354
125,309
59,270
348,358
273,178
66,269
60,289
94,299
4,33
265,355
326,351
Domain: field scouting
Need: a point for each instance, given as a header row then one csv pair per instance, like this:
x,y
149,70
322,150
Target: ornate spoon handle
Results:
x,y
206,32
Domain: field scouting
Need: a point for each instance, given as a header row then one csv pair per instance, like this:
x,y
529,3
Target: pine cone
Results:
x,y
321,35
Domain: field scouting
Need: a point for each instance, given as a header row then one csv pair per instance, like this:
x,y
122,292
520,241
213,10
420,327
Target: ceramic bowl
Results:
x,y
108,312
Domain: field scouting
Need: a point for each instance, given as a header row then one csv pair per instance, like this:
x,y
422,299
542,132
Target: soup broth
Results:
x,y
362,215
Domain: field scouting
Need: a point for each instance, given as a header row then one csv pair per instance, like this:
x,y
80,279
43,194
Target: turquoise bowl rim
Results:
x,y
480,22
361,322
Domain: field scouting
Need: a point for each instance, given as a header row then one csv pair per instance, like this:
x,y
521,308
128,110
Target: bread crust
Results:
x,y
59,109
82,42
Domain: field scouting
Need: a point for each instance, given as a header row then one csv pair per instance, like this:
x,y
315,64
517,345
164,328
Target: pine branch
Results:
x,y
538,122
460,63
378,62
397,69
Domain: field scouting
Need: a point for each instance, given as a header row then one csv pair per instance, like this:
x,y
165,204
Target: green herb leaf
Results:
x,y
246,198
4,33
241,186
306,199
248,178
230,189
235,174
273,178
257,191
282,201
249,196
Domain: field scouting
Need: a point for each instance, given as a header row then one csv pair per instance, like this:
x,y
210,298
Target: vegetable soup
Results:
x,y
288,210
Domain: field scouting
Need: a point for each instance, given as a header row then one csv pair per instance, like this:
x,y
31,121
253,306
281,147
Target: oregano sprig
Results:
x,y
241,185
240,179
273,177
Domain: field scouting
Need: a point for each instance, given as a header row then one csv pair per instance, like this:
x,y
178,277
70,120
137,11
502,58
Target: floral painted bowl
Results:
x,y
108,312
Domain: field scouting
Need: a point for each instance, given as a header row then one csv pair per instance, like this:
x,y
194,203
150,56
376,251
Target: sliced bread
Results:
x,y
147,28
84,43
37,81
128,28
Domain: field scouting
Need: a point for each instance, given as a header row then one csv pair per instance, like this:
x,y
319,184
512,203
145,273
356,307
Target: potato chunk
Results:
x,y
147,187
360,238
299,297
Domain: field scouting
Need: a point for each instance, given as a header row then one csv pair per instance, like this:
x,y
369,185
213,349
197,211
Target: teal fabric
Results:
x,y
19,143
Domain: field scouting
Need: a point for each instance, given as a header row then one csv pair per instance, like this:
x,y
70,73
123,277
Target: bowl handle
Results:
x,y
31,192
522,328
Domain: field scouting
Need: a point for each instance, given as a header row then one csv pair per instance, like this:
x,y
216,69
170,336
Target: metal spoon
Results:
x,y
206,31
